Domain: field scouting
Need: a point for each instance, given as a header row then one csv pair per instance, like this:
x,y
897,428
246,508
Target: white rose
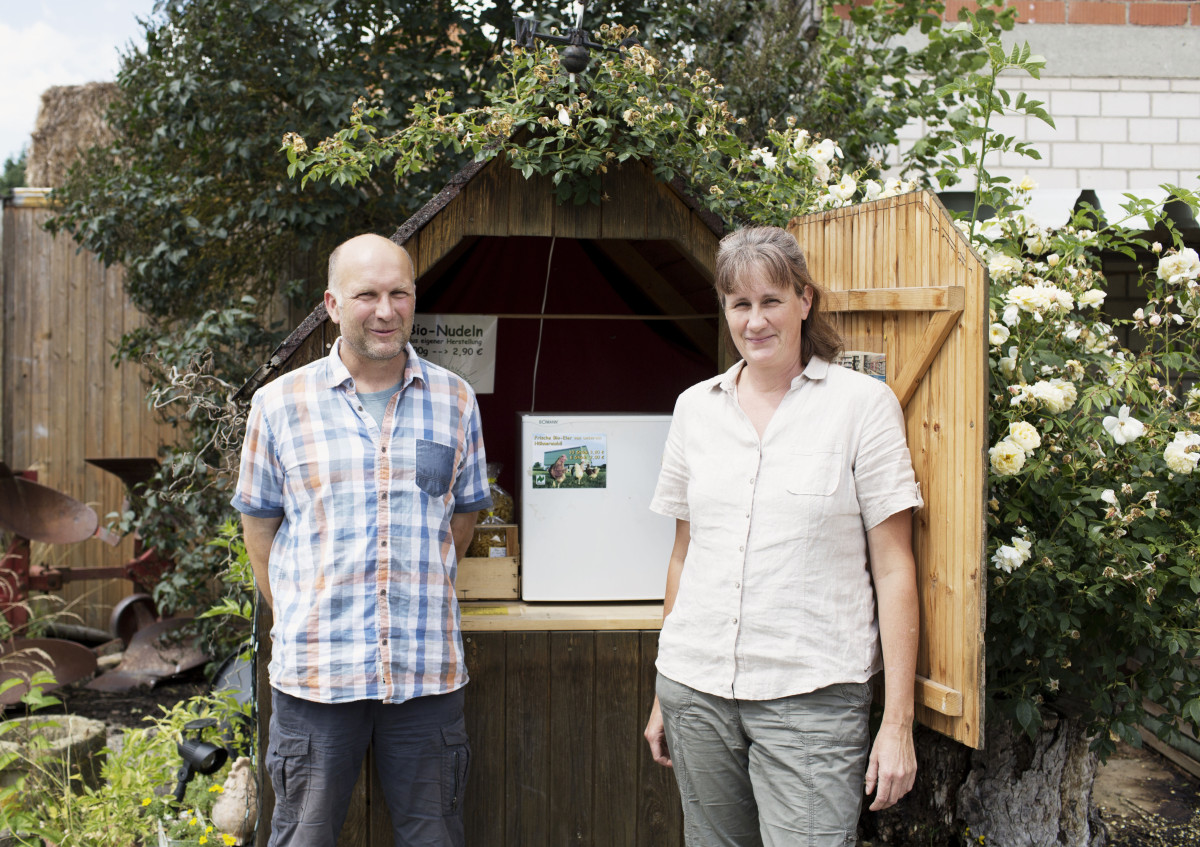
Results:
x,y
998,334
564,117
891,187
1180,266
1006,458
823,172
1003,267
1092,299
1006,558
872,190
1109,496
765,156
844,190
1122,427
1010,557
1011,315
801,142
824,151
1053,259
1183,454
1038,241
1024,435
1027,183
1008,364
1054,395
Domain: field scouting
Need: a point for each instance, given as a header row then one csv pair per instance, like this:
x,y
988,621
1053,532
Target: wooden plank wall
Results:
x,y
63,400
911,242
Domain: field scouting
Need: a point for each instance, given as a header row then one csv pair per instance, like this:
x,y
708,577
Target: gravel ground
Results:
x,y
1145,801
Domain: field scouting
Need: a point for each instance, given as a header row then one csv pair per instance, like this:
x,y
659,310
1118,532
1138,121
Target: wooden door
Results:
x,y
906,283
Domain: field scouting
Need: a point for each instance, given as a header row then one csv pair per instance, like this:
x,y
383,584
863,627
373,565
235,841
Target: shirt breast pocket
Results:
x,y
816,473
435,467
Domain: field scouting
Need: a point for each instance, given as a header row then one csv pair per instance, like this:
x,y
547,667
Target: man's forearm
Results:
x,y
259,535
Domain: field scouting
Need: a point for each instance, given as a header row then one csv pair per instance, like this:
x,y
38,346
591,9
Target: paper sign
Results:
x,y
464,344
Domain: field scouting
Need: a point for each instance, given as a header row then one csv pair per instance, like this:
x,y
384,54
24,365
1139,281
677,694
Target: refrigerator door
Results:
x,y
587,532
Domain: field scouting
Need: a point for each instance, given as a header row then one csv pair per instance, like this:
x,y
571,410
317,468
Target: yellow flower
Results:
x,y
219,789
228,839
146,801
208,829
203,840
193,822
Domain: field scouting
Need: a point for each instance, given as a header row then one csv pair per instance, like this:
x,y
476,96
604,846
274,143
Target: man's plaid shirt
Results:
x,y
363,566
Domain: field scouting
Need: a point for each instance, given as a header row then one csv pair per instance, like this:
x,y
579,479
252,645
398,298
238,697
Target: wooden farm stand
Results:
x,y
559,693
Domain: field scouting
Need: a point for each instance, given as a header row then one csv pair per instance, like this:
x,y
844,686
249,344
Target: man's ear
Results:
x,y
331,307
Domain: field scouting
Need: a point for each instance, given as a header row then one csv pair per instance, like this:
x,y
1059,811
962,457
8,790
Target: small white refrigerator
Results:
x,y
587,532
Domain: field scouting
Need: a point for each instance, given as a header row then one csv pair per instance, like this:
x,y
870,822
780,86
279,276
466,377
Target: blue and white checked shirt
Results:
x,y
363,566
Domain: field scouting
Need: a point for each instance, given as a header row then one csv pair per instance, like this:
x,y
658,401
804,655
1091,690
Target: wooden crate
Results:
x,y
497,578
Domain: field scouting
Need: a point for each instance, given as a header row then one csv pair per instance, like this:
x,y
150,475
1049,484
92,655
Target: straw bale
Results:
x,y
70,121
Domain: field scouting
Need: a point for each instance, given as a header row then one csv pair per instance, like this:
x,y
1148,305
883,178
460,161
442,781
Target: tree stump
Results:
x,y
1015,791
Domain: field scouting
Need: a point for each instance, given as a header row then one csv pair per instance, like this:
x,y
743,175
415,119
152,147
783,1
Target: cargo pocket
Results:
x,y
435,467
456,765
288,765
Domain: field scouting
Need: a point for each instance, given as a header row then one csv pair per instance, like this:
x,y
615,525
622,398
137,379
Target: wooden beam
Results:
x,y
909,378
656,287
934,298
940,698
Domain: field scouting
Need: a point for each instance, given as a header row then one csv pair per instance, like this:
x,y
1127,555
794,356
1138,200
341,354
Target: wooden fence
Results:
x,y
63,398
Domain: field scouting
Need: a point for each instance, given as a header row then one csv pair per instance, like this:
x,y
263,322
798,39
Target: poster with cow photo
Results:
x,y
567,460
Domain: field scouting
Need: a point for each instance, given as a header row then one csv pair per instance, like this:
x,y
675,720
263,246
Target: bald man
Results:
x,y
361,477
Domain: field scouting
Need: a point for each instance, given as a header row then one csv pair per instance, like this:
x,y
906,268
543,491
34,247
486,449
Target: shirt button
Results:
x,y
383,449
752,480
383,592
741,549
384,642
735,620
383,543
737,585
359,408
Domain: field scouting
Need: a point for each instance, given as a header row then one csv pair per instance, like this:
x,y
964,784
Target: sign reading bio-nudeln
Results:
x,y
465,344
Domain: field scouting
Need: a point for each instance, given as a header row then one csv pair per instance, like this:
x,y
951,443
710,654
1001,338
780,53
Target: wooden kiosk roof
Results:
x,y
656,234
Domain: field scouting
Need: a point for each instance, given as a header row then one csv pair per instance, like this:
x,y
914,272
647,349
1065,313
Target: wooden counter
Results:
x,y
555,709
497,616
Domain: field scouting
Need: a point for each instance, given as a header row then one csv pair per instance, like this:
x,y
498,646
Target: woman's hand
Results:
x,y
892,768
656,736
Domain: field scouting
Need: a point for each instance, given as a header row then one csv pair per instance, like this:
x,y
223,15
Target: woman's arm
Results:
x,y
655,735
892,768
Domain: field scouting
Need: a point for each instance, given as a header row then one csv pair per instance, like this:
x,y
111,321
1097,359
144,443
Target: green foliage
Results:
x,y
183,508
133,799
1094,518
12,174
632,108
676,114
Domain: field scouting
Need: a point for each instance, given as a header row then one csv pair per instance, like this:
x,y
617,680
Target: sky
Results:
x,y
57,42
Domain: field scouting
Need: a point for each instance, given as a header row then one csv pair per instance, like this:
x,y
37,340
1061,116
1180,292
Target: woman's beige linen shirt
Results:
x,y
775,598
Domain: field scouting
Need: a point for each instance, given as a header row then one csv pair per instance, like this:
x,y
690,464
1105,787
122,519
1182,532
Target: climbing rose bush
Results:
x,y
1094,513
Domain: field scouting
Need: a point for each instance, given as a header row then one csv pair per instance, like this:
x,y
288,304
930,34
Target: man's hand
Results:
x,y
892,768
656,736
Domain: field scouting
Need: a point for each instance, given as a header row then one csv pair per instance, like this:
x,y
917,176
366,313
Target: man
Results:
x,y
360,481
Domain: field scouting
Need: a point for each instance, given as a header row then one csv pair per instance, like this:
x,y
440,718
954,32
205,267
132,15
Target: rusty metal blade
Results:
x,y
23,657
39,513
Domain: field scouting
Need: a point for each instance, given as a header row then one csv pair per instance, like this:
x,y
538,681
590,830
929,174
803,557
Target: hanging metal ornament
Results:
x,y
576,54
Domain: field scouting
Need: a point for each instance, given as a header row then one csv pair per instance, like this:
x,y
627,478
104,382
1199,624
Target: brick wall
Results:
x,y
1107,134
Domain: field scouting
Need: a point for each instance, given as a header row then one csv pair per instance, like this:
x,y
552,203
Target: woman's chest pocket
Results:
x,y
435,467
813,473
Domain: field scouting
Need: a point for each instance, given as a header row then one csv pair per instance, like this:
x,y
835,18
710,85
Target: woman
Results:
x,y
792,489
